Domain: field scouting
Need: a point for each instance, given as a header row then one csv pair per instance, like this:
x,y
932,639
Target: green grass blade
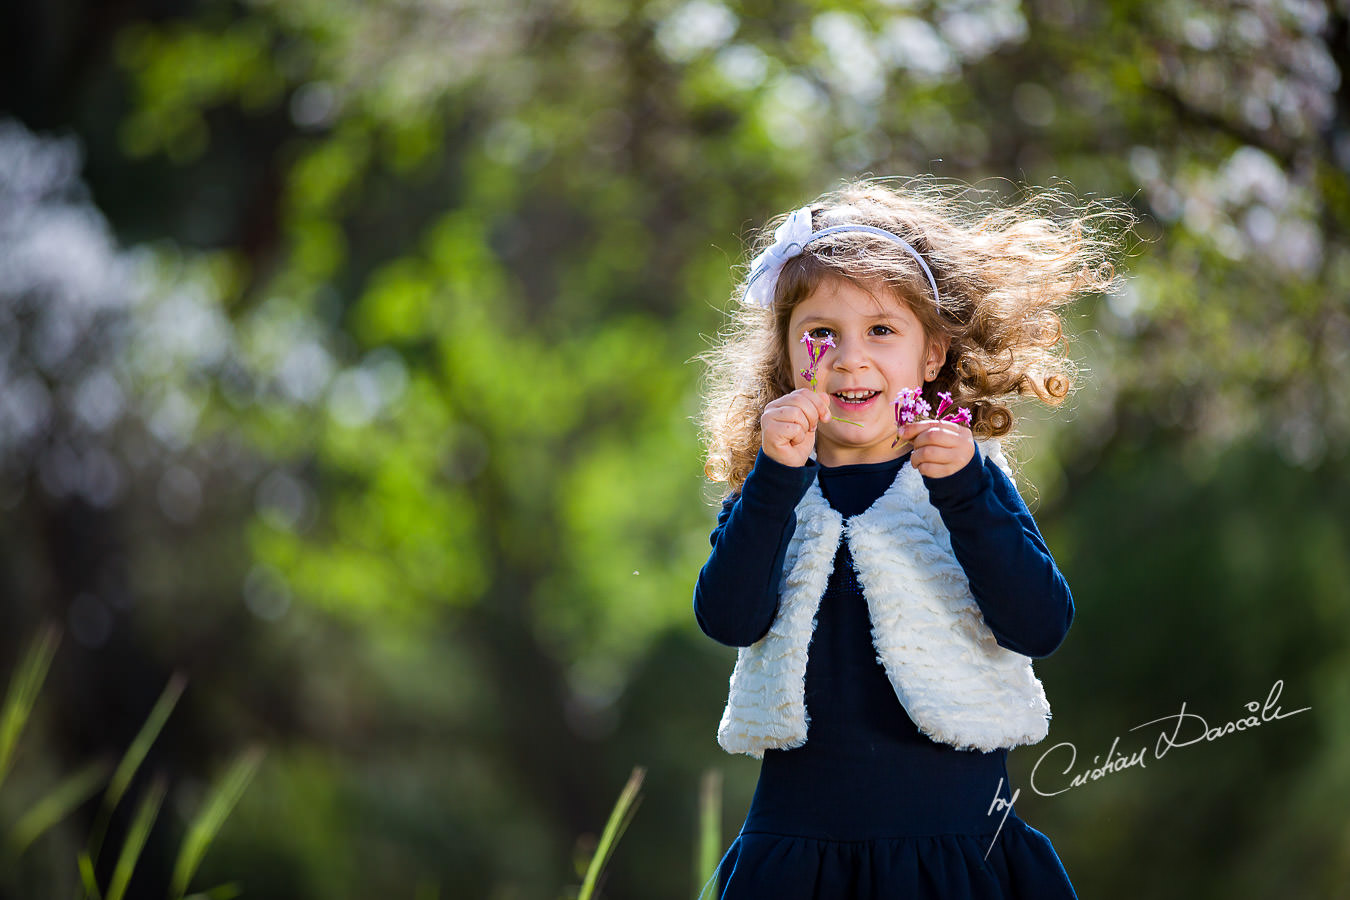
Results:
x,y
132,759
136,837
709,837
87,877
57,804
140,747
619,818
23,690
212,816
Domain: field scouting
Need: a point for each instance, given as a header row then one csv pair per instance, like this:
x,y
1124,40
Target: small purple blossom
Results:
x,y
816,351
946,398
911,407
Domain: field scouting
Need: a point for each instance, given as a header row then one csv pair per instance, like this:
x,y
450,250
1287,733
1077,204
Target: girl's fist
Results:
x,y
940,448
788,426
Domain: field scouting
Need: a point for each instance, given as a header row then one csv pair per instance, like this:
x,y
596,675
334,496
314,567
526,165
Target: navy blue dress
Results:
x,y
870,806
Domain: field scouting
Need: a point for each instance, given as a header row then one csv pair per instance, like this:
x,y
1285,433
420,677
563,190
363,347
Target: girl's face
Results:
x,y
880,347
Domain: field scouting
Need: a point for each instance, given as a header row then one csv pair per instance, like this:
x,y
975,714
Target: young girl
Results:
x,y
885,583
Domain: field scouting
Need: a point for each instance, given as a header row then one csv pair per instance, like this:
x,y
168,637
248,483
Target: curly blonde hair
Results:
x,y
1002,273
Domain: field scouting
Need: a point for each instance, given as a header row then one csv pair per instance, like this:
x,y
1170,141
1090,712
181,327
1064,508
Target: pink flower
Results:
x,y
816,351
946,398
911,407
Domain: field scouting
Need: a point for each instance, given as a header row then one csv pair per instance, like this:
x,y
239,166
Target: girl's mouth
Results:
x,y
855,401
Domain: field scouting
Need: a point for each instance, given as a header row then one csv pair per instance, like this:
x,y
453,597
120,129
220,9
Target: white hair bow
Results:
x,y
788,241
791,239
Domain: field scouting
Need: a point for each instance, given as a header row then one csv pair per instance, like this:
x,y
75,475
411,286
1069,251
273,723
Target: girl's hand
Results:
x,y
940,448
788,426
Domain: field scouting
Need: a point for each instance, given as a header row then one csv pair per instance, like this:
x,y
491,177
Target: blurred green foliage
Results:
x,y
39,814
405,469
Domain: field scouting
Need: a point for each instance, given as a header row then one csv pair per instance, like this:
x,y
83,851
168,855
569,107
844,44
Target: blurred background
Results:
x,y
347,369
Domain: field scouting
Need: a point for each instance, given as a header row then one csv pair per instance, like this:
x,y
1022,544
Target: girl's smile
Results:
x,y
855,401
879,348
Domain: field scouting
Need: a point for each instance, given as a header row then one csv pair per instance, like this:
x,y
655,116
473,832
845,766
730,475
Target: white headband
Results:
x,y
791,239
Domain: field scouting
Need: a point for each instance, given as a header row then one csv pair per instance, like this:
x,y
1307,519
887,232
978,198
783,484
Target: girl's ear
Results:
x,y
937,355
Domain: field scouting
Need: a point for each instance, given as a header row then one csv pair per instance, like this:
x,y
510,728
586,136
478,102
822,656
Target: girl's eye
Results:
x,y
820,333
883,329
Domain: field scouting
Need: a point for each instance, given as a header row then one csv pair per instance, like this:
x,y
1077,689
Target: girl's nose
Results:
x,y
849,356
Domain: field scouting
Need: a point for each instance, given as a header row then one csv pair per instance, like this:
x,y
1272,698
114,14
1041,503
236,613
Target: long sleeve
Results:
x,y
1019,589
736,597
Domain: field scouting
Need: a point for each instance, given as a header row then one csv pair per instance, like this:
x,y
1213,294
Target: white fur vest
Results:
x,y
955,681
